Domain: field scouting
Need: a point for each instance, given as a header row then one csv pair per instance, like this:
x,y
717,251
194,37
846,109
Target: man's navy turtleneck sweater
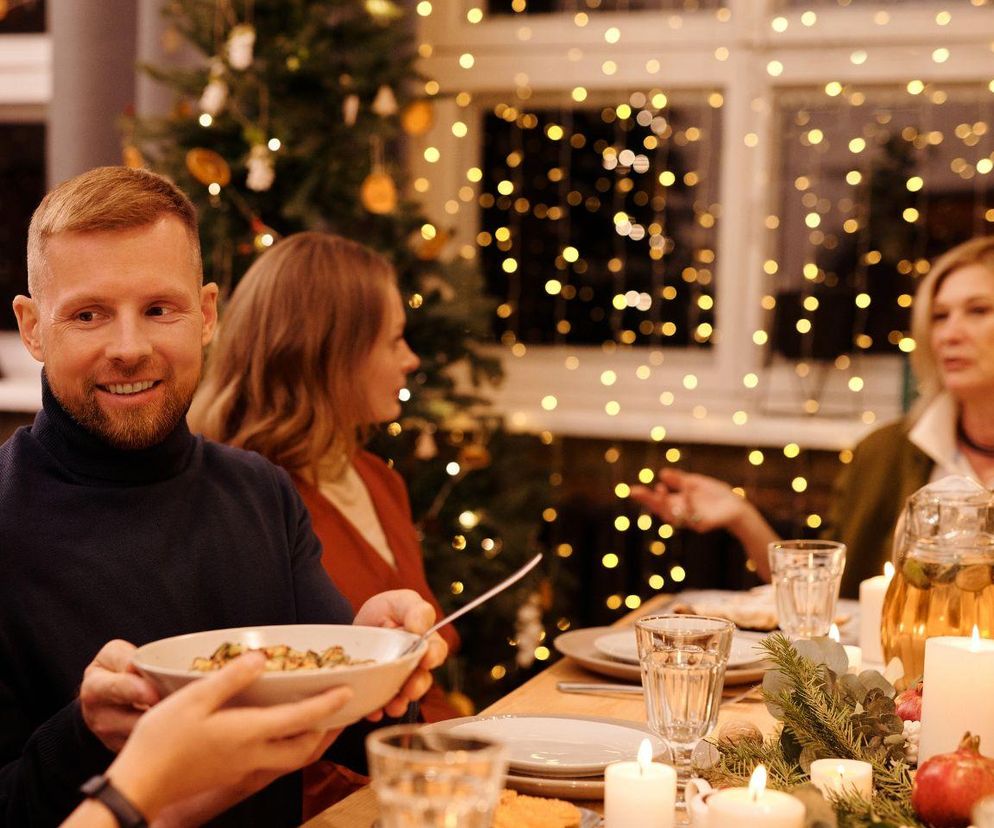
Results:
x,y
98,543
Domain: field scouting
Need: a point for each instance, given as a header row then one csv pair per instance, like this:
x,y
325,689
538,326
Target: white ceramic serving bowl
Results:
x,y
166,663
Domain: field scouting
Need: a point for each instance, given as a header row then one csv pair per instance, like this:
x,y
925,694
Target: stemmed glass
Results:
x,y
683,659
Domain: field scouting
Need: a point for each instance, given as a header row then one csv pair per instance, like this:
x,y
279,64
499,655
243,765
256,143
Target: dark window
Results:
x,y
22,17
574,6
874,185
600,223
22,185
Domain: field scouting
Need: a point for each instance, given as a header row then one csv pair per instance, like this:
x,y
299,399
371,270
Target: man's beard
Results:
x,y
138,429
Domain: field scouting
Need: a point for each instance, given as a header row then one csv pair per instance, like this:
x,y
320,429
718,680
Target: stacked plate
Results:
x,y
613,652
560,756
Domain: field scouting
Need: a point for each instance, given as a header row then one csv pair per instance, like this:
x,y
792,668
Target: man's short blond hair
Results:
x,y
107,198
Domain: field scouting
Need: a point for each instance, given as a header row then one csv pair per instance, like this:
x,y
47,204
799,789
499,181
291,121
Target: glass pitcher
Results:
x,y
944,570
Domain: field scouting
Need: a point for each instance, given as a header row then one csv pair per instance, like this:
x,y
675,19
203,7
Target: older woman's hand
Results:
x,y
405,609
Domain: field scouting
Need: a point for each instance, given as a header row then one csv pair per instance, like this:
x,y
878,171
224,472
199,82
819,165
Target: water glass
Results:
x,y
426,778
683,660
806,576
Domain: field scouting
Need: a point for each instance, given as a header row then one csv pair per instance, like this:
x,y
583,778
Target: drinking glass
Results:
x,y
426,778
806,576
683,660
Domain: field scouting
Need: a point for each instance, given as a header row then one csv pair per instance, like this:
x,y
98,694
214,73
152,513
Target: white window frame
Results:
x,y
537,46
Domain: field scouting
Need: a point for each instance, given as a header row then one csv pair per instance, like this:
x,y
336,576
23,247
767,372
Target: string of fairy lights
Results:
x,y
860,166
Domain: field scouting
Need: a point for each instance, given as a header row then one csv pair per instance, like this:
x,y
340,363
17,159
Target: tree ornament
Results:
x,y
474,456
350,109
132,157
215,94
385,102
240,45
261,172
425,448
208,167
383,11
430,249
461,702
378,193
947,786
417,117
528,630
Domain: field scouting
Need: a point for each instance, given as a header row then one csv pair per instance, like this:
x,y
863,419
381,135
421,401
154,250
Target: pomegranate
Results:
x,y
909,704
948,785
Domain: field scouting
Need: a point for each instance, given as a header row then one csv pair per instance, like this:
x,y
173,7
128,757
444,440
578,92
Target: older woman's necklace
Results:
x,y
969,442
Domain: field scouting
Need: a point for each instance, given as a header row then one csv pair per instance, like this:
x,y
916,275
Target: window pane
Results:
x,y
599,223
22,185
874,184
22,16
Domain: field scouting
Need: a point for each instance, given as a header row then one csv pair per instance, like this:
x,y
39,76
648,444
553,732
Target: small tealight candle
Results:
x,y
843,776
754,806
956,694
872,592
640,794
853,654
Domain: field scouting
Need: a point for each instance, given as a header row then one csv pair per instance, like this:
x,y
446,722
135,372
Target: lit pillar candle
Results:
x,y
754,806
853,654
871,606
957,693
640,794
842,776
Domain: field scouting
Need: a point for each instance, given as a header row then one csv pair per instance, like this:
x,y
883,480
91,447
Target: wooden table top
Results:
x,y
540,696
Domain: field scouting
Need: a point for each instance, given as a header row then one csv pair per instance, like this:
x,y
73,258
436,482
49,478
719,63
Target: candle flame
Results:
x,y
841,770
888,570
644,756
757,784
833,633
975,642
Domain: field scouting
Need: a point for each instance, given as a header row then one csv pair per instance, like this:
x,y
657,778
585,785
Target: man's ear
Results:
x,y
27,313
208,307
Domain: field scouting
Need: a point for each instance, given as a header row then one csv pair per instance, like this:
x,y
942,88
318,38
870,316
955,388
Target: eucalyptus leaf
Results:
x,y
824,651
872,679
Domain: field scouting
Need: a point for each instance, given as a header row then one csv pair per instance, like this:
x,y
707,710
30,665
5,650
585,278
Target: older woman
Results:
x,y
310,356
950,430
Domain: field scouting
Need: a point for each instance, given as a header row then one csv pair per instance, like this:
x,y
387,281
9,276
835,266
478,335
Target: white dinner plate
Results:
x,y
579,646
564,746
622,646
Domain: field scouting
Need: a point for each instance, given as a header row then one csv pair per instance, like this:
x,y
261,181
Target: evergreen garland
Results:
x,y
825,713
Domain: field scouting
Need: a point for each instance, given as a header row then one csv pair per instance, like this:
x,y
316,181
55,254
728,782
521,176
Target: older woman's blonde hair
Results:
x,y
282,374
975,251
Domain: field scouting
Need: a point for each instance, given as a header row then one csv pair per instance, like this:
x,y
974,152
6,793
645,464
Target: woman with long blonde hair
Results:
x,y
949,430
309,357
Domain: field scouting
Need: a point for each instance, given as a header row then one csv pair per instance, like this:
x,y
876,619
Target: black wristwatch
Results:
x,y
126,814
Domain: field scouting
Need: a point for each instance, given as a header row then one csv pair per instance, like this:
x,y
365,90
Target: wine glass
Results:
x,y
683,660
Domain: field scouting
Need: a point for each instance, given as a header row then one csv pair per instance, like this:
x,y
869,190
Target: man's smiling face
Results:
x,y
120,319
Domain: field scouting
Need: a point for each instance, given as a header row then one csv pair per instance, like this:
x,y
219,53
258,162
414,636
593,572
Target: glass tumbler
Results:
x,y
683,659
426,778
806,577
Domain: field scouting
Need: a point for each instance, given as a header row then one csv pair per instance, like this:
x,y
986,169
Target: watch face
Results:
x,y
94,785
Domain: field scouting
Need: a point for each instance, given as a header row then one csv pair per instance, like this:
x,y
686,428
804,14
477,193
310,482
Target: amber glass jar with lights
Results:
x,y
944,578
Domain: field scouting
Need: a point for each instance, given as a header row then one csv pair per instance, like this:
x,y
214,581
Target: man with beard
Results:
x,y
117,525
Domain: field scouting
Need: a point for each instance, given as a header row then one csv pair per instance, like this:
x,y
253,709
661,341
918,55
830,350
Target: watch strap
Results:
x,y
124,811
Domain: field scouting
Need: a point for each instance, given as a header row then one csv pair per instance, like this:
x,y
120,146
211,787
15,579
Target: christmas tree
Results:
x,y
287,125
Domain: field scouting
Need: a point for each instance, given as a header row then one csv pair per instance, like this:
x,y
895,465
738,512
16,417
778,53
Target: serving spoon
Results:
x,y
486,596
